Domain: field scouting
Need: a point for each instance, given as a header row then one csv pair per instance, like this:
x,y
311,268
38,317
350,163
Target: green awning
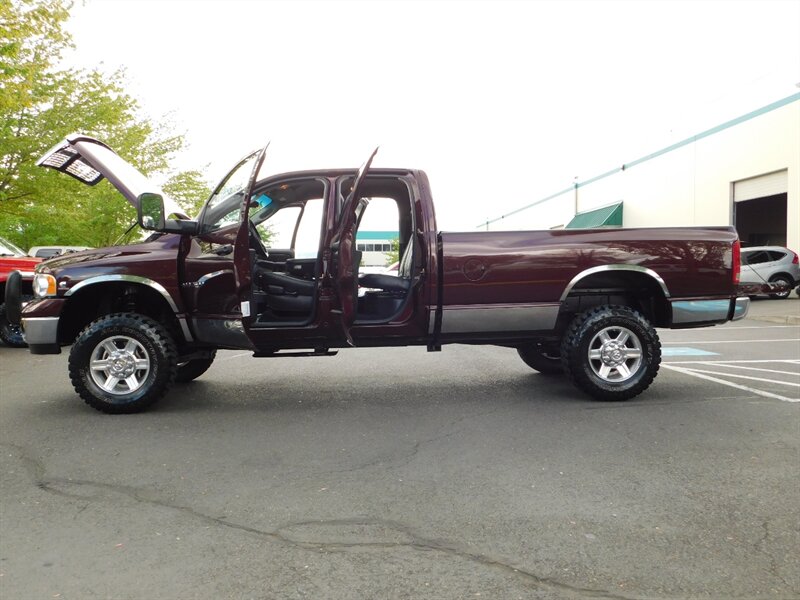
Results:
x,y
608,216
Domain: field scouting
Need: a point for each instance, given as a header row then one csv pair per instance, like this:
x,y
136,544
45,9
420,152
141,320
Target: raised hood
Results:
x,y
89,160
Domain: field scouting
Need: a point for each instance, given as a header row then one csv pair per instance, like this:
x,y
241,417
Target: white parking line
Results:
x,y
729,383
789,383
721,364
737,361
708,329
693,342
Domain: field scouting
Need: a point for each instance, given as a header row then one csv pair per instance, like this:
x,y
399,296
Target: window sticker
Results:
x,y
263,201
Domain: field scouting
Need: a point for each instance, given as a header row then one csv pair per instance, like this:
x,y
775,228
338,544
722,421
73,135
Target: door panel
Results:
x,y
345,255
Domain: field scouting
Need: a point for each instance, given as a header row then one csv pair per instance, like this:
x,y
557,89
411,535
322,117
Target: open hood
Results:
x,y
89,160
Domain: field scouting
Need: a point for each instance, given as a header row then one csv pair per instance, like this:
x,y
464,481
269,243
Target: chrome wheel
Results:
x,y
119,365
615,354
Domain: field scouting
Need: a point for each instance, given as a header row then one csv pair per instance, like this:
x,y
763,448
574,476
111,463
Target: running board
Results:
x,y
294,354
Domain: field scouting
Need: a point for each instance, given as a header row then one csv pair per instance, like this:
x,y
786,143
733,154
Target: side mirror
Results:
x,y
150,211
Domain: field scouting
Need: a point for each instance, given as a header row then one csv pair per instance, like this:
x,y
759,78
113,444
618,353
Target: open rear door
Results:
x,y
343,249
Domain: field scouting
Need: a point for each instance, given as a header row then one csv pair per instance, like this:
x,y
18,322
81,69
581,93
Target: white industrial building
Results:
x,y
745,172
375,247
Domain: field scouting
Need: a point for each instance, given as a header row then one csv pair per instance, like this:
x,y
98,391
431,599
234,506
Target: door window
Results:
x,y
277,231
296,227
225,204
309,230
776,256
378,234
756,258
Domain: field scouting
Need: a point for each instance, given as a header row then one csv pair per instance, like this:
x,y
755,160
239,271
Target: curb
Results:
x,y
783,320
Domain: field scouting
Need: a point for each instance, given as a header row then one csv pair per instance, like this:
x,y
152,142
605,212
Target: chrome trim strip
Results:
x,y
187,334
40,330
29,274
700,311
740,308
602,268
131,279
486,318
204,279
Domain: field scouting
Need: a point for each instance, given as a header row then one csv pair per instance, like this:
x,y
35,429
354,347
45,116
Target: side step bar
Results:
x,y
295,354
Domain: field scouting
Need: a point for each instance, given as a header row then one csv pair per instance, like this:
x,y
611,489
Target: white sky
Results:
x,y
500,103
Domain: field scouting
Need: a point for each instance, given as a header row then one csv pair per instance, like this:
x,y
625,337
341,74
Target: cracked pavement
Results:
x,y
394,474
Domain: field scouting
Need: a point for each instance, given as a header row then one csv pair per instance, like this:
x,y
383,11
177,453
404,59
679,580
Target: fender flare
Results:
x,y
605,268
142,281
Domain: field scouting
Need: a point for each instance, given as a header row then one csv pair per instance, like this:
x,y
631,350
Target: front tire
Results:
x,y
611,353
544,358
10,334
122,363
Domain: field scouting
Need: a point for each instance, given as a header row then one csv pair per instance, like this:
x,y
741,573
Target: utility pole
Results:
x,y
575,184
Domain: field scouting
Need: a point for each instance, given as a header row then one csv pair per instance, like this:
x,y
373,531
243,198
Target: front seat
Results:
x,y
392,283
286,293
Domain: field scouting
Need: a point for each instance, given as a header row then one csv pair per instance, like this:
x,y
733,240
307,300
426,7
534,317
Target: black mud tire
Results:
x,y
10,334
789,286
150,341
192,369
585,333
542,357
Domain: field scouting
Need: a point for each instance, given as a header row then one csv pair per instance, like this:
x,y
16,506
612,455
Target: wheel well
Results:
x,y
786,275
101,299
627,288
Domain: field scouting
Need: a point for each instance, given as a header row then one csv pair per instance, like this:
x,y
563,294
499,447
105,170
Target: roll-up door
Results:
x,y
762,186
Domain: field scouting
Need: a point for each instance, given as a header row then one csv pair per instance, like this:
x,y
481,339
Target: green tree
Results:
x,y
189,189
40,103
393,255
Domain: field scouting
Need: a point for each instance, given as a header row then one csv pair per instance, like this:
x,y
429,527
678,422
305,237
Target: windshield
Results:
x,y
9,249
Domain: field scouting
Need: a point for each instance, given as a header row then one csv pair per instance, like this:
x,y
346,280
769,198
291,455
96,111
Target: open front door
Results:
x,y
343,250
241,248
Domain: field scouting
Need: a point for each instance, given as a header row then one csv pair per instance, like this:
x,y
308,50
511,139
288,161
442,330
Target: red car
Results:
x,y
14,259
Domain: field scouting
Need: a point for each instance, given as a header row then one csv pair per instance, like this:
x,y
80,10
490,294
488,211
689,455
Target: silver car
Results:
x,y
771,264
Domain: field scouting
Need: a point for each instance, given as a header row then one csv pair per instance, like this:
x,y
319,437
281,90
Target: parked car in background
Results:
x,y
13,259
45,252
774,265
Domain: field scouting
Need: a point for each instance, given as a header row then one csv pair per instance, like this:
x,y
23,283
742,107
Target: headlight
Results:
x,y
44,285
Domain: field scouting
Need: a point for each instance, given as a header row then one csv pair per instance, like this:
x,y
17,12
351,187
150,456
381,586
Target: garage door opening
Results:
x,y
762,221
759,209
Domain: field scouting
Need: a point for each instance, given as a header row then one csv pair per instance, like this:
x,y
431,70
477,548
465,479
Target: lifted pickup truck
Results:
x,y
271,265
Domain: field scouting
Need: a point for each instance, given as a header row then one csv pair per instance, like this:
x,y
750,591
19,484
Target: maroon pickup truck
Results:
x,y
271,265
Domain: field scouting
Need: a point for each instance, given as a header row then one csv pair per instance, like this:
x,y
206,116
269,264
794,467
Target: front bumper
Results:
x,y
40,319
41,333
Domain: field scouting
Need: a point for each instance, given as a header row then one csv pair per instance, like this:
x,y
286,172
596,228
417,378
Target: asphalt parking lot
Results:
x,y
402,474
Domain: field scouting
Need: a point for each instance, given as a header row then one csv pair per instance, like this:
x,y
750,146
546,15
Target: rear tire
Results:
x,y
544,358
192,369
789,285
122,363
611,353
